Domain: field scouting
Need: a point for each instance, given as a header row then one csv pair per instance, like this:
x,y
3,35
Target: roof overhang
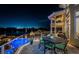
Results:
x,y
55,14
63,5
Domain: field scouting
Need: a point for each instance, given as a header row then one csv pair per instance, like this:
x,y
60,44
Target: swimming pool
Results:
x,y
15,44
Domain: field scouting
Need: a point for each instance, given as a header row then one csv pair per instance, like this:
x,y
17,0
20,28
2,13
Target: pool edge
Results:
x,y
20,49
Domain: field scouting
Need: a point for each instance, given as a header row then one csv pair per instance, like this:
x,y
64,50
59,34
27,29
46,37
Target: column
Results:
x,y
71,10
55,27
51,27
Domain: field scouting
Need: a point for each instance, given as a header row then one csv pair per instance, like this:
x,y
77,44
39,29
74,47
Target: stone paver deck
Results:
x,y
34,49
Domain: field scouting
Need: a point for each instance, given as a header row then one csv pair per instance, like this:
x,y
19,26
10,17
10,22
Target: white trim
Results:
x,y
55,14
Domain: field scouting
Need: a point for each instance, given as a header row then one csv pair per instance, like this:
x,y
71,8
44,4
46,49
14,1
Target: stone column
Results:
x,y
72,14
55,27
51,27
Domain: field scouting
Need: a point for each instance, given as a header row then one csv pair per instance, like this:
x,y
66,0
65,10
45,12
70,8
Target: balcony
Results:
x,y
58,24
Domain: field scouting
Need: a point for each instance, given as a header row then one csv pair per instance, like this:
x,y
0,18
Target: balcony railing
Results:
x,y
58,24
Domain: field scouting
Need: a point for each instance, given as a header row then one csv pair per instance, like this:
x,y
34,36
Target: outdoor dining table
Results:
x,y
54,40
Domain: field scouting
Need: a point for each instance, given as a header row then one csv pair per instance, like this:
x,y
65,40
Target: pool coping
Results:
x,y
20,49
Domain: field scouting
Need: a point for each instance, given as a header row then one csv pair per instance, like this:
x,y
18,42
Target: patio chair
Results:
x,y
31,41
61,47
41,43
48,46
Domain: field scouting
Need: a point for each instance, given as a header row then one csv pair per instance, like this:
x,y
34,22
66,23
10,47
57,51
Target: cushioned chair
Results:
x,y
31,41
41,42
48,45
61,46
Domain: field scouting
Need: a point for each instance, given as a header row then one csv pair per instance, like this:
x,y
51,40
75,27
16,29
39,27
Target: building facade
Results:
x,y
72,23
57,20
68,22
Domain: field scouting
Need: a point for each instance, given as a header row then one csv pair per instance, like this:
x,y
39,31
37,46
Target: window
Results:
x,y
77,13
77,25
59,21
59,29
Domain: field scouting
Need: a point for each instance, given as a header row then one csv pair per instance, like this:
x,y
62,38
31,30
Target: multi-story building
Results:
x,y
72,23
66,21
57,22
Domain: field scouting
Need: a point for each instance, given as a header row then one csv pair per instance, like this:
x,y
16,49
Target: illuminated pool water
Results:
x,y
16,43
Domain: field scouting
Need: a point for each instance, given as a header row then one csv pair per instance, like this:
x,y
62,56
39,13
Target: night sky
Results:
x,y
26,16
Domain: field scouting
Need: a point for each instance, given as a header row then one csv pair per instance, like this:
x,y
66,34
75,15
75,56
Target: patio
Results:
x,y
33,49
